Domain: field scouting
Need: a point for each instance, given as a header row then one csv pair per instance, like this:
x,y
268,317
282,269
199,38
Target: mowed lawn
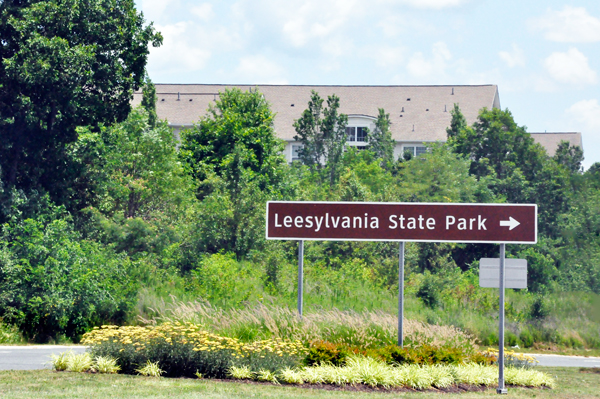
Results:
x,y
50,384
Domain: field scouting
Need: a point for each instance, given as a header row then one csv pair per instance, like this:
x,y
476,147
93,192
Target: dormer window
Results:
x,y
356,133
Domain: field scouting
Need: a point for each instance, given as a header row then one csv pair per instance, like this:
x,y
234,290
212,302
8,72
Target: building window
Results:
x,y
295,152
356,133
414,150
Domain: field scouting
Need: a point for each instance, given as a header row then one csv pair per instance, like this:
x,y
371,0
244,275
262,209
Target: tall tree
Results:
x,y
236,134
457,123
496,141
149,101
65,63
570,156
237,159
517,168
322,133
380,140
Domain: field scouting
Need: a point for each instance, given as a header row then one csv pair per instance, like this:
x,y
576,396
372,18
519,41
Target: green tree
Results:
x,y
570,156
144,174
516,167
440,175
142,193
65,63
458,122
237,160
236,134
149,101
496,143
322,133
380,139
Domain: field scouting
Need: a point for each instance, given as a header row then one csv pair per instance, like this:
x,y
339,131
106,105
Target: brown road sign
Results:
x,y
388,221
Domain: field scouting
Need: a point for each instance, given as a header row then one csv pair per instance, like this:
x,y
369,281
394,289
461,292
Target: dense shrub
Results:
x,y
526,338
54,283
321,352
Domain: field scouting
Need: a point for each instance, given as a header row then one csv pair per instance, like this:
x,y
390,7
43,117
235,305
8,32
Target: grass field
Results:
x,y
49,384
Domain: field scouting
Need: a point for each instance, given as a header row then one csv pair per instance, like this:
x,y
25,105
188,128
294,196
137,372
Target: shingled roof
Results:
x,y
418,113
550,141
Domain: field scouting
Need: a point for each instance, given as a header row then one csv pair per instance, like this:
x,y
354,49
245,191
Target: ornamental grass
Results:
x,y
374,373
185,349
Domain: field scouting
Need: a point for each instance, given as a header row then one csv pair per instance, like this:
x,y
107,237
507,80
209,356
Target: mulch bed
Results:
x,y
460,388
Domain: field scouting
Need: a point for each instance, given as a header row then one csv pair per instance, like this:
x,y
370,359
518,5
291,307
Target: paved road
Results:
x,y
32,357
566,361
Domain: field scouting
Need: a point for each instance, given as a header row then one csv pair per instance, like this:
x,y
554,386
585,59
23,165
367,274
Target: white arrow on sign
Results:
x,y
511,223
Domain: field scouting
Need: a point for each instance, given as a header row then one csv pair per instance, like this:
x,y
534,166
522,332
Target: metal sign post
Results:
x,y
501,389
401,296
300,276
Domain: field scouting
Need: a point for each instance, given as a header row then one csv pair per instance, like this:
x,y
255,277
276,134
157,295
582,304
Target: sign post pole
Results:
x,y
501,388
401,296
300,275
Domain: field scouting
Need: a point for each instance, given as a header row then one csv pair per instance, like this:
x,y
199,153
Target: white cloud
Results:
x,y
388,56
514,58
432,4
586,112
570,67
154,9
544,84
204,11
177,52
571,25
305,21
434,67
260,69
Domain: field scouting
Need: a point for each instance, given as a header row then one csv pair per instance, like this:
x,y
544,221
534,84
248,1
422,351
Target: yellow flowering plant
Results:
x,y
511,358
183,349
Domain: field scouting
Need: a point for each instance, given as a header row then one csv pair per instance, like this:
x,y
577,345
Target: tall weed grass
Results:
x,y
366,329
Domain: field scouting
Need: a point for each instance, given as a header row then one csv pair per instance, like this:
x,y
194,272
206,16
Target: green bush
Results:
x,y
526,338
491,340
511,339
53,283
322,352
9,334
426,354
429,292
539,309
336,354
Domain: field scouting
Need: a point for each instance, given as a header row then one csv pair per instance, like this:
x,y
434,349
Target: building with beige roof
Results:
x,y
419,114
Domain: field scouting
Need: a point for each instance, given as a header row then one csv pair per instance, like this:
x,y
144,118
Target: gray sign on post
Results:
x,y
516,273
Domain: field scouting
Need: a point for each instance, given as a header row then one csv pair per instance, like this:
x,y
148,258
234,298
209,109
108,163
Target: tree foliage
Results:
x,y
322,133
380,139
64,64
236,158
237,134
516,167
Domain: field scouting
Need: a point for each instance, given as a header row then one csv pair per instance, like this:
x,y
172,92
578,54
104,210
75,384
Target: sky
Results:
x,y
543,55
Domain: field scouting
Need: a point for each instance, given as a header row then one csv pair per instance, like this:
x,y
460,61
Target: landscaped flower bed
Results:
x,y
183,350
186,350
